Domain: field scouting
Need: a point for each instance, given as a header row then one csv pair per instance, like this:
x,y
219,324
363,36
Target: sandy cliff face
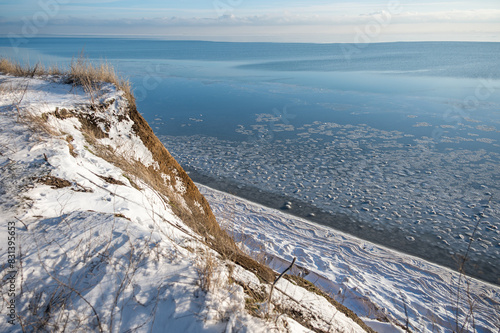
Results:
x,y
189,203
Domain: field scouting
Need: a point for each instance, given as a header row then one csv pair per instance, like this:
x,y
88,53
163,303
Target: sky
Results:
x,y
256,20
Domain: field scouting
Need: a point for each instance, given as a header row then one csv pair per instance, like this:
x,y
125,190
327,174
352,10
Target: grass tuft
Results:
x,y
206,266
84,73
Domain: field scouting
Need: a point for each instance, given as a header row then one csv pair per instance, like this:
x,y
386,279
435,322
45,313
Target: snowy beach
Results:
x,y
372,280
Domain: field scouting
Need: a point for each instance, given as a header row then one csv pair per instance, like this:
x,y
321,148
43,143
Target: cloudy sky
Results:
x,y
257,20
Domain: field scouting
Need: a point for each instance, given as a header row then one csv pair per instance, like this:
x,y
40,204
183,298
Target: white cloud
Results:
x,y
290,26
471,16
287,18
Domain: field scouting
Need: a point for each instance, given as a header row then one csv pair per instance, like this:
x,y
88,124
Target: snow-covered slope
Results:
x,y
101,230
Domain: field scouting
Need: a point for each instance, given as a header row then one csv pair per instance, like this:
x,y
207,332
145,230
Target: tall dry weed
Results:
x,y
206,266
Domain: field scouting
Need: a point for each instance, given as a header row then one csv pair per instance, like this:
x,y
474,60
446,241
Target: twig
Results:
x,y
20,100
22,223
461,269
276,281
407,320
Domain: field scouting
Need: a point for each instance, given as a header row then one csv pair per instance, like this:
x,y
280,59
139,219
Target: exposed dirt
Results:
x,y
54,182
111,180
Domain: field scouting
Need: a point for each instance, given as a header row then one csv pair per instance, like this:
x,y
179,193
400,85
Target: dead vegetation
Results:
x,y
82,72
111,180
206,267
71,148
15,68
57,183
37,124
54,182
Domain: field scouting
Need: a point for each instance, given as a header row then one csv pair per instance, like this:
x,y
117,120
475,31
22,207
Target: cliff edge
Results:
x,y
102,230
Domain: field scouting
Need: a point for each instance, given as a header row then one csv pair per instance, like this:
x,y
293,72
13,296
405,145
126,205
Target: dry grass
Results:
x,y
71,148
37,124
54,182
81,72
206,267
84,73
15,68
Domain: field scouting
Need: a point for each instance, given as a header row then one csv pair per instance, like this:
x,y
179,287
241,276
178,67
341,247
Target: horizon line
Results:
x,y
215,40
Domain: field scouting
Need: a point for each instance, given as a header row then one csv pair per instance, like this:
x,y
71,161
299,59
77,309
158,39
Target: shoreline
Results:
x,y
424,247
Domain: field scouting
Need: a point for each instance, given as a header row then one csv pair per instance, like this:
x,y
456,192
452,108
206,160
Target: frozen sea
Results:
x,y
396,143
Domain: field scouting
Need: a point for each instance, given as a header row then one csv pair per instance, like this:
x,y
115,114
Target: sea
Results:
x,y
396,143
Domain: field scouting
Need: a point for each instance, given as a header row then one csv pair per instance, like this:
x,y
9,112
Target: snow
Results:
x,y
319,307
101,256
373,281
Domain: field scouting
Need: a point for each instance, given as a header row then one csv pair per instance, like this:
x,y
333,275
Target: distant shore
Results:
x,y
425,246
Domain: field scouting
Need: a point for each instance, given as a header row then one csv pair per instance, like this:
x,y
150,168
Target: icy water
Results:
x,y
397,143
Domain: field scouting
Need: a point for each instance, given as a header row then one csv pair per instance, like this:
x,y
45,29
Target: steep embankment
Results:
x,y
200,219
102,230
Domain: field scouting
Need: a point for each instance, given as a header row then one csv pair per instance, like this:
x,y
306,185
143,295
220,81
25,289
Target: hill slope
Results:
x,y
102,230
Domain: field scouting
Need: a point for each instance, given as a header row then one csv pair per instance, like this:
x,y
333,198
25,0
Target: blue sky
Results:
x,y
257,20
